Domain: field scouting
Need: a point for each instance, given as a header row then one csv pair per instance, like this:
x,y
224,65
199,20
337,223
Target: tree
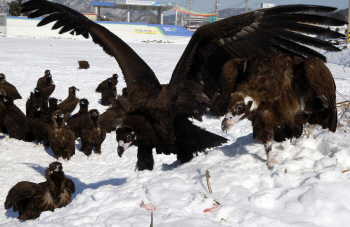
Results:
x,y
15,8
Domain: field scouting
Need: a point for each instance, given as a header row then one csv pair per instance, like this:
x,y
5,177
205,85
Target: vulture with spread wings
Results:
x,y
158,116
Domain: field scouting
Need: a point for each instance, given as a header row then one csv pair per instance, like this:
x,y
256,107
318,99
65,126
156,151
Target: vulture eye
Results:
x,y
128,137
239,108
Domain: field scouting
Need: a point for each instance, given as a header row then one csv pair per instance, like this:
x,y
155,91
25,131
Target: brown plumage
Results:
x,y
36,99
68,105
30,199
92,135
9,88
104,84
108,94
279,94
77,121
195,79
46,84
61,137
16,122
83,65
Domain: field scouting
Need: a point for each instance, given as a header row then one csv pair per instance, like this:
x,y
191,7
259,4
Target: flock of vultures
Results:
x,y
257,66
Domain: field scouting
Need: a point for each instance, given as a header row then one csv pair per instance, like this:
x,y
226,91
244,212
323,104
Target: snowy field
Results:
x,y
307,188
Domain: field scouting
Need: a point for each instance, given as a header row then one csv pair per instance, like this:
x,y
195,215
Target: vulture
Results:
x,y
92,135
16,122
30,199
61,137
46,84
9,88
36,99
40,126
110,92
77,121
2,109
278,94
83,65
68,105
159,114
104,84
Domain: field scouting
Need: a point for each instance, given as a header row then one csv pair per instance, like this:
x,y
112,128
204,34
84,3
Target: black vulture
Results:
x,y
16,122
40,126
92,135
9,88
195,79
30,199
77,121
278,94
68,105
36,98
109,93
104,85
46,84
61,137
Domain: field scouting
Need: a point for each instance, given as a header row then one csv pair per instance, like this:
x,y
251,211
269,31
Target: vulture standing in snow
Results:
x,y
30,199
36,98
68,105
16,122
110,92
46,84
9,88
40,126
61,137
104,84
158,117
92,135
77,121
278,94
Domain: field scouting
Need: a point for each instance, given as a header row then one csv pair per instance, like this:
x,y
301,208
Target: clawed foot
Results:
x,y
270,163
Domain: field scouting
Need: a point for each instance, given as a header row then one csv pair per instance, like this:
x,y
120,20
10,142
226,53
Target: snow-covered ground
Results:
x,y
306,188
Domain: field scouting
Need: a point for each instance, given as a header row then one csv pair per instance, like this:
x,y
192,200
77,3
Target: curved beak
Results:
x,y
122,147
229,120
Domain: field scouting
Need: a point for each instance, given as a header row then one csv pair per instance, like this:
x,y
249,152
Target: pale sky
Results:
x,y
207,6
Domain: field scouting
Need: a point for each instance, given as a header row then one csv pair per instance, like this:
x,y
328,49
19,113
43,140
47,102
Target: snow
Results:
x,y
306,187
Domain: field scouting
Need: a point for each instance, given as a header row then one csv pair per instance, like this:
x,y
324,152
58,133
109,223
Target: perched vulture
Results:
x,y
16,122
2,109
30,199
36,99
110,92
53,107
278,94
68,105
92,135
157,112
61,137
9,88
104,84
77,121
83,65
46,84
40,126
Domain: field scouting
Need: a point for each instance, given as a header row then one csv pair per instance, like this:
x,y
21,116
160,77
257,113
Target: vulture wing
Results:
x,y
278,30
18,193
134,69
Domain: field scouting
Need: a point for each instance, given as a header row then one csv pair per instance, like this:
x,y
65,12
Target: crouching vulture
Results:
x,y
278,94
30,199
195,79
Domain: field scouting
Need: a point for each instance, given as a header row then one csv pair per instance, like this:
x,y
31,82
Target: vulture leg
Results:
x,y
144,158
270,159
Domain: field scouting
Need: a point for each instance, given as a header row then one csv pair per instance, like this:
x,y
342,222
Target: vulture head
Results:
x,y
59,118
115,76
73,90
8,101
2,77
2,93
54,171
125,137
53,102
48,75
37,91
241,105
83,103
109,82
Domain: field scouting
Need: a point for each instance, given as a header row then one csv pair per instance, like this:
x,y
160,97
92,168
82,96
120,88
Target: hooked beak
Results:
x,y
122,147
229,121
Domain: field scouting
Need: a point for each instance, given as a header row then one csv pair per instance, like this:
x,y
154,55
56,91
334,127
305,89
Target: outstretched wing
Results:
x,y
134,69
278,30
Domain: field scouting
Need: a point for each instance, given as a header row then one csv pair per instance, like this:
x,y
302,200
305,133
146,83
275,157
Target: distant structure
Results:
x,y
267,5
160,7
